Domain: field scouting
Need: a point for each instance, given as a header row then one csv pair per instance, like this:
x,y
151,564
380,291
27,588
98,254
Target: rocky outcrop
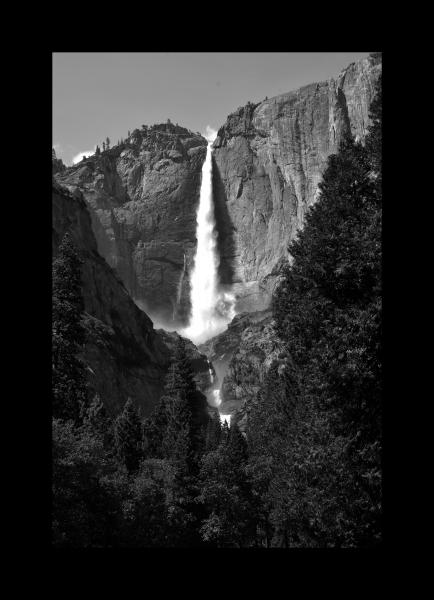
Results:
x,y
268,160
222,347
258,347
142,196
58,165
125,356
241,356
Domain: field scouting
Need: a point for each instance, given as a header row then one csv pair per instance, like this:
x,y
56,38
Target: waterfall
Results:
x,y
179,290
212,309
211,375
181,281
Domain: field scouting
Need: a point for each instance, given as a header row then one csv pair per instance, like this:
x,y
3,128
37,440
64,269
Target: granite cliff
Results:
x,y
125,356
142,196
268,162
57,163
268,159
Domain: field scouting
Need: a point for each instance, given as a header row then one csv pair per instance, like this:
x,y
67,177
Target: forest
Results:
x,y
307,472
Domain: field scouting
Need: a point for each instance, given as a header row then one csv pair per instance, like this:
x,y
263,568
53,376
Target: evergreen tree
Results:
x,y
227,496
237,445
224,437
375,136
107,143
185,409
178,443
178,422
328,311
69,379
103,146
154,429
98,421
145,510
128,437
213,432
96,415
87,496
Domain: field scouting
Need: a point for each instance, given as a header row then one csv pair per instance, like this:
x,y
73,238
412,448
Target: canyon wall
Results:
x,y
142,196
268,162
124,355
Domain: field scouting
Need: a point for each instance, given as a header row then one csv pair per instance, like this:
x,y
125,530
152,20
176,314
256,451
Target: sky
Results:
x,y
100,94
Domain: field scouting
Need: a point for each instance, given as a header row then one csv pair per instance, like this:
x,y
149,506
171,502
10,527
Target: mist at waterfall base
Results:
x,y
212,308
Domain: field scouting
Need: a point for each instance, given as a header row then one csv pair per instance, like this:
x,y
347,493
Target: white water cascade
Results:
x,y
212,308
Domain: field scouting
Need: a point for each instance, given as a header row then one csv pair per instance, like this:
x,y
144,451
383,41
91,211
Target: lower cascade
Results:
x,y
212,307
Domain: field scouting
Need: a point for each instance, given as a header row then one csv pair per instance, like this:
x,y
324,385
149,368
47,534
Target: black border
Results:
x,y
34,347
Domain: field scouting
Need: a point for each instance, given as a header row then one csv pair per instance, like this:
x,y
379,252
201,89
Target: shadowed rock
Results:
x,y
125,356
142,196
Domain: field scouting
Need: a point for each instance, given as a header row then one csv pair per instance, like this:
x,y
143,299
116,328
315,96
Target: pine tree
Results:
x,y
154,429
178,421
98,421
96,415
226,494
213,432
103,146
185,408
224,438
128,437
328,312
107,143
178,443
69,379
237,445
375,132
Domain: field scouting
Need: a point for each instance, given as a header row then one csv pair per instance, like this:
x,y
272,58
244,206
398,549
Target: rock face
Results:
x,y
259,346
242,356
124,355
58,165
142,196
268,160
222,347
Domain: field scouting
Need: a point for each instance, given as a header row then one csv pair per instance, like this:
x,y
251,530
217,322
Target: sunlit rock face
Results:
x,y
142,196
268,162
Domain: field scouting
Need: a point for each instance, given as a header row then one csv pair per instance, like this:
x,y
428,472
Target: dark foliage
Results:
x,y
69,379
315,430
128,437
